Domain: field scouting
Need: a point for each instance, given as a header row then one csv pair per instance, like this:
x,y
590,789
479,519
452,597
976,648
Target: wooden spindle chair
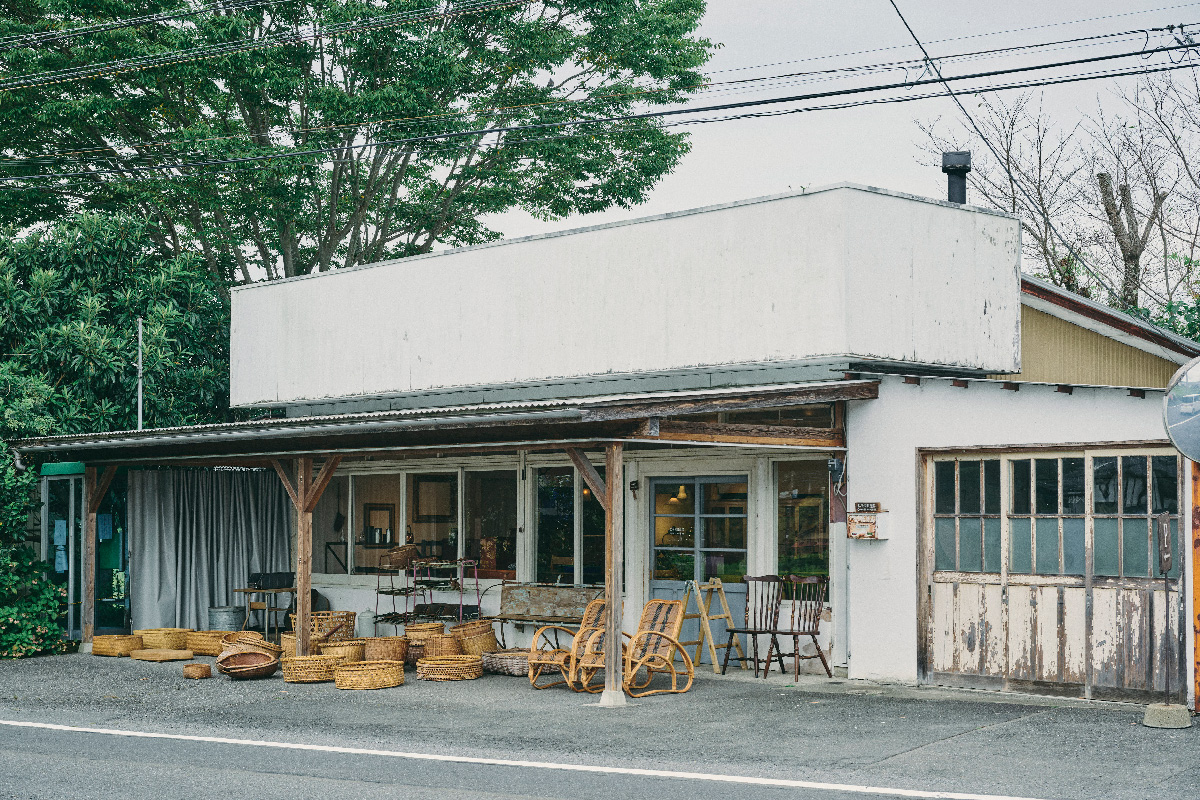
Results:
x,y
806,599
763,595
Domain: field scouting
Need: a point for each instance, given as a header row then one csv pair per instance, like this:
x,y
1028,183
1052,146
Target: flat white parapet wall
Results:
x,y
845,272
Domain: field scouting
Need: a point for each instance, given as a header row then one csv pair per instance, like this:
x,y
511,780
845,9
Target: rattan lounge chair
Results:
x,y
547,656
652,650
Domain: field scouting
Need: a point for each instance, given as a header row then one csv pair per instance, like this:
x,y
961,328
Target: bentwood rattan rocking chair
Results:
x,y
546,656
763,595
652,650
804,600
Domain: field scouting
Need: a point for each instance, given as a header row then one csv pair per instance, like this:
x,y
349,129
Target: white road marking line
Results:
x,y
549,765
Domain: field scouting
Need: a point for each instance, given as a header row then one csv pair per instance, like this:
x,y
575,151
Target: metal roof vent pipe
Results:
x,y
956,164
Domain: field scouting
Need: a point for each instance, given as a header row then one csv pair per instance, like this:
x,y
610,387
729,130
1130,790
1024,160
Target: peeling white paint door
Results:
x,y
1042,572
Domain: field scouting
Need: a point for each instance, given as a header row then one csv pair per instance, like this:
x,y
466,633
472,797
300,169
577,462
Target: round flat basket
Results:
x,y
349,650
164,638
330,626
416,651
310,669
385,648
197,671
513,662
243,666
206,643
161,654
450,668
118,646
420,631
369,675
442,644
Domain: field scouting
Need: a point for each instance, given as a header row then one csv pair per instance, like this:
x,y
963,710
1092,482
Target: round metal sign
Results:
x,y
1181,409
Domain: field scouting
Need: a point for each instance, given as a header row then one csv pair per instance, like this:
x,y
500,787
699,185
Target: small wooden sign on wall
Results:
x,y
868,508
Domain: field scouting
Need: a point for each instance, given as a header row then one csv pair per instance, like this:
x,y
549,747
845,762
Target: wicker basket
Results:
x,y
206,643
513,662
310,669
330,626
443,644
369,675
250,645
119,646
349,650
418,632
287,641
164,638
244,666
476,638
416,651
241,636
385,648
197,671
450,668
400,558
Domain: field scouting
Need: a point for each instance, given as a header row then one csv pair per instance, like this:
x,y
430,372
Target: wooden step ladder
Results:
x,y
704,614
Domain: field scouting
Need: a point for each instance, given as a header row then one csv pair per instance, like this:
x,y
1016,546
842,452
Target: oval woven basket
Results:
x,y
116,646
164,638
369,675
514,661
385,648
247,665
477,640
349,650
330,626
197,671
420,631
310,669
241,636
416,651
206,643
450,668
253,646
443,644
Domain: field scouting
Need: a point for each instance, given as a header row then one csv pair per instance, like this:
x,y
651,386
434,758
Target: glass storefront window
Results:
x,y
803,518
556,525
490,504
432,505
331,527
377,500
700,528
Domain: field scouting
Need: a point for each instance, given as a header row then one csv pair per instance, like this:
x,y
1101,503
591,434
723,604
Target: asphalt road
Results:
x,y
903,741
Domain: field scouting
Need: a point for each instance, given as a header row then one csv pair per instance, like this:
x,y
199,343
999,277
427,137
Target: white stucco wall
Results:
x,y
883,437
845,271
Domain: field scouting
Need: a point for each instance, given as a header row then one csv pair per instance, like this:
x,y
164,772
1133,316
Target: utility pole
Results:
x,y
139,400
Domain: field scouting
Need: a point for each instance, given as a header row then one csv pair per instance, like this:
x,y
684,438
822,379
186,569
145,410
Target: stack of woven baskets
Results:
x,y
417,634
476,637
246,654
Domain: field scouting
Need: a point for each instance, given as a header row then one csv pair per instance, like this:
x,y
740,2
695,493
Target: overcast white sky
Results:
x,y
877,145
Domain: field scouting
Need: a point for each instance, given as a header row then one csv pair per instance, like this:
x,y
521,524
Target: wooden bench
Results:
x,y
543,604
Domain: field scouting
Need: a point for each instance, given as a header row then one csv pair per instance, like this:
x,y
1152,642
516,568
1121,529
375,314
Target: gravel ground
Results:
x,y
830,730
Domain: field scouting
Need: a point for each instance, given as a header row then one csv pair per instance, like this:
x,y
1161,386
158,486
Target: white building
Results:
x,y
766,367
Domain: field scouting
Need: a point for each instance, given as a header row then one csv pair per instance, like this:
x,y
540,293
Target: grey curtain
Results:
x,y
196,535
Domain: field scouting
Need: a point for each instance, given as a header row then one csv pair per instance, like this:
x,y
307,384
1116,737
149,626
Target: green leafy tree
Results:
x,y
380,71
70,296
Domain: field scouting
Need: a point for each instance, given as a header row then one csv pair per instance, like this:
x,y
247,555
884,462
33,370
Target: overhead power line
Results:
x,y
496,130
996,153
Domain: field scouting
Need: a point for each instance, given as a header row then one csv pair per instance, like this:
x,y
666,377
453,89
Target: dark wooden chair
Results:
x,y
763,595
800,618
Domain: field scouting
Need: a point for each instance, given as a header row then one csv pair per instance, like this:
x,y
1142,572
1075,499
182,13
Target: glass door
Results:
x,y
62,521
700,528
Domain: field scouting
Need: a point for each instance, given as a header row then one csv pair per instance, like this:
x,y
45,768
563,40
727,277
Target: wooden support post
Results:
x,y
614,547
94,491
1195,581
303,558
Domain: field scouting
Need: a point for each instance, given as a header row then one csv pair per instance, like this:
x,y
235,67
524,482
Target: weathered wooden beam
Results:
x,y
97,491
287,482
94,490
614,558
303,629
742,434
589,474
322,481
860,390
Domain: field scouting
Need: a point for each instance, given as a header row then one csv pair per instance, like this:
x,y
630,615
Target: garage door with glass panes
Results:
x,y
1041,572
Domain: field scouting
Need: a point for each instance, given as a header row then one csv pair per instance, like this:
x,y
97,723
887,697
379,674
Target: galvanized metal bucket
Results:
x,y
226,618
